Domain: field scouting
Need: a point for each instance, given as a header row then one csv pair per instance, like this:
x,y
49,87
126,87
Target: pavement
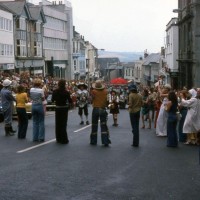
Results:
x,y
79,171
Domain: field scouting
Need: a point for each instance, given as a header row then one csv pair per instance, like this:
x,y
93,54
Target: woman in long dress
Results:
x,y
171,108
161,126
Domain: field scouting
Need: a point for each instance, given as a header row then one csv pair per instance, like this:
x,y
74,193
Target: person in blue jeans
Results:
x,y
135,103
99,103
37,97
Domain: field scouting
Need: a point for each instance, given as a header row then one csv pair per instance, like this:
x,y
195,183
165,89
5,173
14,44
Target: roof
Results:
x,y
115,67
15,6
36,12
152,58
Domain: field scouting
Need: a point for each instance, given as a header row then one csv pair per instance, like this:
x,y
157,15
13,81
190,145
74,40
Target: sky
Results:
x,y
124,25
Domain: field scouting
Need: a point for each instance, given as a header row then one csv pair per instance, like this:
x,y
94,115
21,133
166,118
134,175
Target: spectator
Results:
x,y
7,100
134,106
37,97
62,99
171,107
21,100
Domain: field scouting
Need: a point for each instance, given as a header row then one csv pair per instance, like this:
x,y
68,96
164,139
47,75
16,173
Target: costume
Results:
x,y
161,124
99,103
114,106
82,102
62,99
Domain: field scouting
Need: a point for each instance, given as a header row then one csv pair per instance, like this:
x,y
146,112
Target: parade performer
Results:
x,y
99,103
113,99
82,101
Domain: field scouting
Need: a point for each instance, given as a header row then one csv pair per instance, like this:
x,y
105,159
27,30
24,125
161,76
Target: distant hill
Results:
x,y
123,56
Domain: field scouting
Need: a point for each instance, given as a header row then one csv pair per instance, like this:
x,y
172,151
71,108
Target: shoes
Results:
x,y
115,124
63,142
81,123
87,123
93,144
41,140
143,127
106,145
134,145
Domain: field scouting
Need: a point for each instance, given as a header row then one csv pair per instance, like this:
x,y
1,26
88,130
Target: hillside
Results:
x,y
123,56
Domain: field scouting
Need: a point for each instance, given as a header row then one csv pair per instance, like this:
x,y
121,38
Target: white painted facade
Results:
x,y
171,46
6,41
57,38
138,71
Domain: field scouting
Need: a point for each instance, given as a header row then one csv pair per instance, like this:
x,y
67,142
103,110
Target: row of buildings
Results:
x,y
42,39
178,62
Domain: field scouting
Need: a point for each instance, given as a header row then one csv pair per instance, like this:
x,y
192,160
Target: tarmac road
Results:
x,y
78,171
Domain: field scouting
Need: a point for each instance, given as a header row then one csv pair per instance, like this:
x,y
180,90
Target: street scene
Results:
x,y
80,171
99,100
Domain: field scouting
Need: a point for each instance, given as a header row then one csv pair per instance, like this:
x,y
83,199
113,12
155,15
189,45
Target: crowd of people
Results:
x,y
173,114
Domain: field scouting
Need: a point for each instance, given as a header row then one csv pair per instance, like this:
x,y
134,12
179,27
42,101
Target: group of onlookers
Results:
x,y
173,114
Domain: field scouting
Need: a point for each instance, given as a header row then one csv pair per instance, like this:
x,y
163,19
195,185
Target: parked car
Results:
x,y
50,105
28,110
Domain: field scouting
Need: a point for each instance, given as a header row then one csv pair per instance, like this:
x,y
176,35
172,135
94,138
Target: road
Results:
x,y
78,171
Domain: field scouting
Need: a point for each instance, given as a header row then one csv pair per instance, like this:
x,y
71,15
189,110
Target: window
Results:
x,y
5,24
38,49
74,65
53,43
21,23
55,24
21,48
6,50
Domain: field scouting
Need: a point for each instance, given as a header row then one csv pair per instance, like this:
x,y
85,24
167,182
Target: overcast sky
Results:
x,y
124,25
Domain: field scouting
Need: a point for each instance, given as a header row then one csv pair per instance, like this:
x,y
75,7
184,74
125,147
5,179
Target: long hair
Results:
x,y
172,97
61,84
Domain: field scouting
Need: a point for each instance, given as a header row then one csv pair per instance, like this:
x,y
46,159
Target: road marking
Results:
x,y
36,146
82,128
50,141
87,126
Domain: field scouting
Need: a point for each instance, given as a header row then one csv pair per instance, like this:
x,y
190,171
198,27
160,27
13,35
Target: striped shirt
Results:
x,y
37,95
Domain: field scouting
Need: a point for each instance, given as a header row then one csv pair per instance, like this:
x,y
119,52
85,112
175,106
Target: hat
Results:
x,y
6,82
132,87
193,93
98,85
81,84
